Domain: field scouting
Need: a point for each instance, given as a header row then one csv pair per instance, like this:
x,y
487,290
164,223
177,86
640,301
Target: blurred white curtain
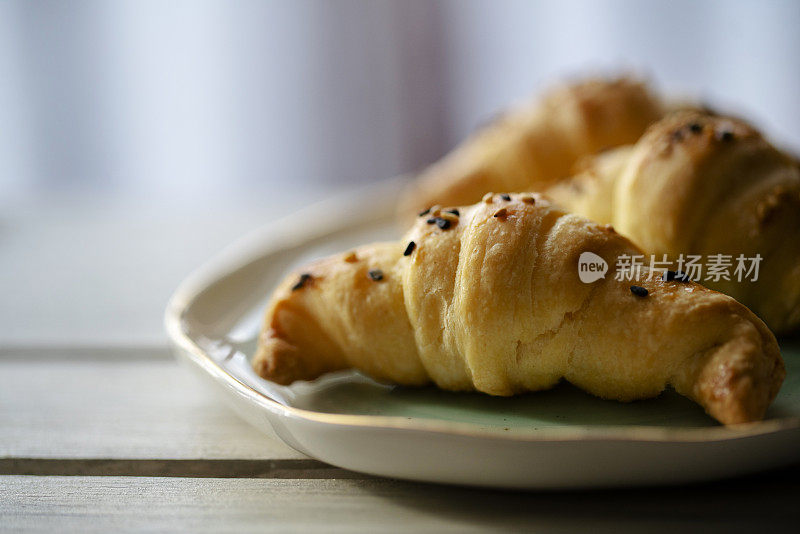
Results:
x,y
743,55
187,99
192,99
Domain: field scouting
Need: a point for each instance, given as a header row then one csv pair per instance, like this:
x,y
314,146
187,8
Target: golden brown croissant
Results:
x,y
532,147
489,298
697,184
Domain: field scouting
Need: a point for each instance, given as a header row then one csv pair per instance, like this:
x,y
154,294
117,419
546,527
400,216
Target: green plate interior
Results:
x,y
226,317
565,405
354,394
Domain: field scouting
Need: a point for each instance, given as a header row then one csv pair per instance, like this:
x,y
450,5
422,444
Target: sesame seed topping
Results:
x,y
639,291
305,277
696,127
528,199
376,275
725,135
351,257
409,249
506,197
424,212
668,276
454,211
488,198
502,213
681,276
441,222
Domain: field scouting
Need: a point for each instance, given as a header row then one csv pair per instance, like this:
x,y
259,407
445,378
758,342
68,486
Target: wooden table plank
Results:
x,y
278,468
375,505
102,406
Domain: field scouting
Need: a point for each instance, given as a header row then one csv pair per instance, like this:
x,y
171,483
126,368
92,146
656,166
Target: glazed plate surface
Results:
x,y
561,438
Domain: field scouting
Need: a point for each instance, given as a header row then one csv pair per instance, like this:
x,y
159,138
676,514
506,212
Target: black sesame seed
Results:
x,y
505,197
681,276
444,224
409,248
696,127
668,276
305,277
424,212
725,135
454,211
639,291
432,220
376,275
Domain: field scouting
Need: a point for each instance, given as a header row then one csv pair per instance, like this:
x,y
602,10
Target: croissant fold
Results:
x,y
489,298
704,185
534,146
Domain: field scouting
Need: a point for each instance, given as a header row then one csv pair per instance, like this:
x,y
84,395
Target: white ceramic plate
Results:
x,y
556,439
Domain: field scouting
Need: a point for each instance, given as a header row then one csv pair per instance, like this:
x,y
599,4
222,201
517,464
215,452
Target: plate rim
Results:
x,y
375,201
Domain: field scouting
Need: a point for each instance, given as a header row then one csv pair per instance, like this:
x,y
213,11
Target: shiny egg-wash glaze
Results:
x,y
492,302
698,184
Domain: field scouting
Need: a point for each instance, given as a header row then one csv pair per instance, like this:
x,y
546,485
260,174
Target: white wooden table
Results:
x,y
101,430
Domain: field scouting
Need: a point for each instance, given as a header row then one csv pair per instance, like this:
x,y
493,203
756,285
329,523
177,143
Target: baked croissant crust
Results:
x,y
488,298
697,184
531,147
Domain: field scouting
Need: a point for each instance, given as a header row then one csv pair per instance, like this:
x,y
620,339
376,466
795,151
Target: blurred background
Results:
x,y
139,137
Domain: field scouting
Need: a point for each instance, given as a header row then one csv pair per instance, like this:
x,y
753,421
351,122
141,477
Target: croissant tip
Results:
x,y
738,394
276,360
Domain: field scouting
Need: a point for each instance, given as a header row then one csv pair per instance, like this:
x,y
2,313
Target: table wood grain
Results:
x,y
381,505
118,404
104,439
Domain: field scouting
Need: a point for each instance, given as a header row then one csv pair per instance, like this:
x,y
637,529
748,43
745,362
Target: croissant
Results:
x,y
697,184
489,298
532,147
